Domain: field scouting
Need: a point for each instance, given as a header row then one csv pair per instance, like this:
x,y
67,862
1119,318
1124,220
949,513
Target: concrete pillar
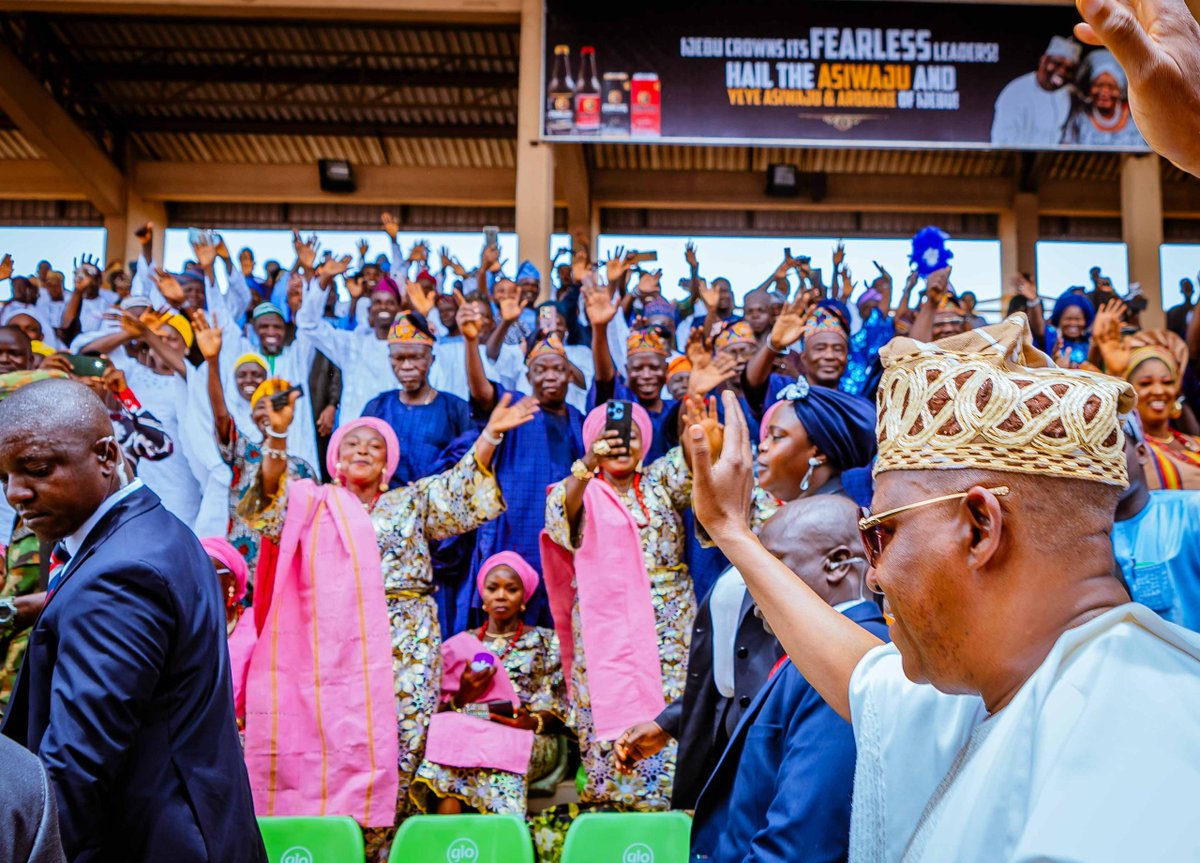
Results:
x,y
1142,230
1018,230
535,160
119,242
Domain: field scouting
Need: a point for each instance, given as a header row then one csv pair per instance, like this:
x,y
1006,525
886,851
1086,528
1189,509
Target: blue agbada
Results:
x,y
841,425
424,431
534,456
1158,551
876,331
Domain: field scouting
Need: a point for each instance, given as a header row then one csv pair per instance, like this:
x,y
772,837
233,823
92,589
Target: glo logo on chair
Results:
x,y
297,854
462,851
638,853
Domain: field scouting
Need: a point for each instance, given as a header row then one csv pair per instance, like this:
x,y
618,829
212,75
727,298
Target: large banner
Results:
x,y
833,73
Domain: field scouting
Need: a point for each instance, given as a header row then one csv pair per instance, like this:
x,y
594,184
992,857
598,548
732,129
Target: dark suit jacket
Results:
x,y
125,696
702,720
781,791
28,817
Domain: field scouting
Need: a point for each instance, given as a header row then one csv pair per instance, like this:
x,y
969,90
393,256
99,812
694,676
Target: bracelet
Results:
x,y
771,347
580,470
274,434
494,441
280,454
541,723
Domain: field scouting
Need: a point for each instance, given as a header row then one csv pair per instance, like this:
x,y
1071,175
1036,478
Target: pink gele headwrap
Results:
x,y
385,431
593,425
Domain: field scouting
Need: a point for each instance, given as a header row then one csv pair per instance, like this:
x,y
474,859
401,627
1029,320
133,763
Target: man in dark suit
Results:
x,y
125,692
704,718
781,790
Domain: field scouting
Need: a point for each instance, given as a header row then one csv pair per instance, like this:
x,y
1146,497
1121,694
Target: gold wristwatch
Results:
x,y
581,471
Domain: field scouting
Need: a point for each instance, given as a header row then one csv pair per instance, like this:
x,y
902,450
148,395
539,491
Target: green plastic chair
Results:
x,y
312,840
462,839
628,837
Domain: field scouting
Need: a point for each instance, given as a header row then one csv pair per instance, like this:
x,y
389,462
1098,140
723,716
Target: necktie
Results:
x,y
58,565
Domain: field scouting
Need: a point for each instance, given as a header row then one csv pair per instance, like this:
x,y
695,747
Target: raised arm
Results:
x,y
600,312
209,340
275,466
785,332
483,392
825,645
1033,308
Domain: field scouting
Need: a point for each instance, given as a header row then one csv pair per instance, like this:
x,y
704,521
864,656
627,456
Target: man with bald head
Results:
x,y
781,790
1027,710
125,692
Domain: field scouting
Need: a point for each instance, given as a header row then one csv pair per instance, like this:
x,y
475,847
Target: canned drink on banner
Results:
x,y
614,109
645,105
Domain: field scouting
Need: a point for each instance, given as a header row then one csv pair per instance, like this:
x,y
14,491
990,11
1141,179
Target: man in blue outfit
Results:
x,y
781,790
125,694
1156,540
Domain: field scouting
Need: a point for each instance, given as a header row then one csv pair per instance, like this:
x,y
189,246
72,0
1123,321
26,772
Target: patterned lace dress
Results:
x,y
534,666
405,519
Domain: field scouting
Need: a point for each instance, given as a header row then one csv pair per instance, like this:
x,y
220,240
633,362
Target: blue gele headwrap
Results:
x,y
929,251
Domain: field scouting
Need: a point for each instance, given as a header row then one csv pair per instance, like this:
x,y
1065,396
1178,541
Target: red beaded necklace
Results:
x,y
637,492
512,641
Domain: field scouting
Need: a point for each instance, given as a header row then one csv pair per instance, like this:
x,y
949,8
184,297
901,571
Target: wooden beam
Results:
x,y
465,11
36,180
198,181
49,128
735,190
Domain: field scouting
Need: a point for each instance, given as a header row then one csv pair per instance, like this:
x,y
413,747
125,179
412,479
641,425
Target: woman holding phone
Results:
x,y
347,669
613,559
484,671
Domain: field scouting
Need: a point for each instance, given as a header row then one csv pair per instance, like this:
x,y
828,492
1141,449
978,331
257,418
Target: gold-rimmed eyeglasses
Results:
x,y
869,526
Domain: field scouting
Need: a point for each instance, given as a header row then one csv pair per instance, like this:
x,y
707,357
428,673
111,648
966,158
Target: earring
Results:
x,y
1176,409
383,486
813,464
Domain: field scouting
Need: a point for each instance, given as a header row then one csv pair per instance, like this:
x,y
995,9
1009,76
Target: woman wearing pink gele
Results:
x,y
475,757
232,571
613,559
347,669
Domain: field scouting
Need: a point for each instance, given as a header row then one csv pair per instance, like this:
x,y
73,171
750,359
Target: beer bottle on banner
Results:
x,y
614,110
645,105
560,92
587,94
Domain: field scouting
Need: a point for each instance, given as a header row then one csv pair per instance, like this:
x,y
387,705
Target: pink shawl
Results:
x,y
321,709
458,740
620,643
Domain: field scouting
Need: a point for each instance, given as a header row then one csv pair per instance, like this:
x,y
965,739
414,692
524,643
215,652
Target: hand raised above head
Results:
x,y
722,484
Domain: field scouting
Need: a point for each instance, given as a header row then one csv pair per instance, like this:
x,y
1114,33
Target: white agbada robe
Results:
x,y
173,478
360,354
1096,758
293,364
448,373
1028,116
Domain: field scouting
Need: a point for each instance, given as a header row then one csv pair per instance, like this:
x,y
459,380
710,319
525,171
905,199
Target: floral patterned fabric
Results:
x,y
666,488
534,667
666,491
243,457
405,519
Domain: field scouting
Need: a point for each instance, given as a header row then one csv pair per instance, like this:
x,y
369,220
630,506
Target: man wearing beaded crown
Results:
x,y
1027,710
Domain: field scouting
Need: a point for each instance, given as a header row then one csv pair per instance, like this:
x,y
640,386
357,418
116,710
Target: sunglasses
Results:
x,y
870,527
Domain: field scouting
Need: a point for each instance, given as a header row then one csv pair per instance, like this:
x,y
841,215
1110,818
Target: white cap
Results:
x,y
1061,46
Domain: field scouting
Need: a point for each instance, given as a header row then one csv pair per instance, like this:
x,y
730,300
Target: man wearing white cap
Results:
x,y
1026,710
1032,110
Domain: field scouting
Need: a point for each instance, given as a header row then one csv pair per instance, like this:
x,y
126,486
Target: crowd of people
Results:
x,y
845,570
431,459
